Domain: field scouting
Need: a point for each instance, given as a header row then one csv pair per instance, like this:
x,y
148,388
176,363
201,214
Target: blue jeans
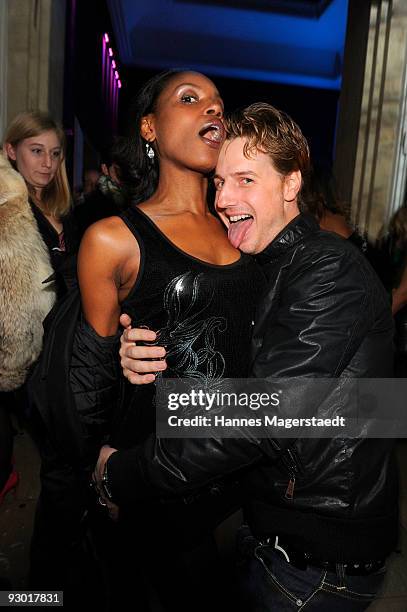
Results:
x,y
270,584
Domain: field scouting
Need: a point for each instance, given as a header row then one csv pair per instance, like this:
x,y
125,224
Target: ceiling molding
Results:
x,y
268,46
301,8
236,54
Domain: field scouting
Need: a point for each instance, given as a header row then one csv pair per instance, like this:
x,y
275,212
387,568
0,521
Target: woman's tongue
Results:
x,y
237,232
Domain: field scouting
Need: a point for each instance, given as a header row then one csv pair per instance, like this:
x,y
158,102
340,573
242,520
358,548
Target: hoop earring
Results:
x,y
150,152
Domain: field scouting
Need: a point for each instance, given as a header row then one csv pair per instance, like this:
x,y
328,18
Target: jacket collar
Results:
x,y
293,233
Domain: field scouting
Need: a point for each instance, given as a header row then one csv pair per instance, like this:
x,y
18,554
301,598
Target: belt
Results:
x,y
302,560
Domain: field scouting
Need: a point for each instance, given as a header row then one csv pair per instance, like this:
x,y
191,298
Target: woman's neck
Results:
x,y
36,198
36,195
181,191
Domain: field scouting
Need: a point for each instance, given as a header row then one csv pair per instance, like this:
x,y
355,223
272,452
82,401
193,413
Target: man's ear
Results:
x,y
10,151
292,185
147,130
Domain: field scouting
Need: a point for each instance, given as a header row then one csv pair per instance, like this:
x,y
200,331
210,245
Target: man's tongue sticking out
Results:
x,y
237,232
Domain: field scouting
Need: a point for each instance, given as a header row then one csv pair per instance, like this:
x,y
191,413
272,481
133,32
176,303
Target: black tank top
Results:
x,y
203,314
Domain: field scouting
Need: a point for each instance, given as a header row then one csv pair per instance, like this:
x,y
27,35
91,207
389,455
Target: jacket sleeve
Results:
x,y
324,311
94,376
321,319
165,468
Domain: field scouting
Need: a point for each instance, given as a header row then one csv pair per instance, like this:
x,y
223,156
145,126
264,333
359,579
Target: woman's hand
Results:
x,y
112,509
138,360
104,454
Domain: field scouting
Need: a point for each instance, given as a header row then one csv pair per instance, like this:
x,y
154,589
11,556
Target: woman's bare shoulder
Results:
x,y
111,231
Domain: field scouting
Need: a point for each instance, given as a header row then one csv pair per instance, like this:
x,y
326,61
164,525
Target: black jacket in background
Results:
x,y
95,206
62,261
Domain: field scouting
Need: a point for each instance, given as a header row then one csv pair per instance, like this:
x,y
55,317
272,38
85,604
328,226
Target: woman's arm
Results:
x,y
108,264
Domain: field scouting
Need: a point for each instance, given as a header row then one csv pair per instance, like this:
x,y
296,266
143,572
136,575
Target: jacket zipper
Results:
x,y
292,467
293,470
289,493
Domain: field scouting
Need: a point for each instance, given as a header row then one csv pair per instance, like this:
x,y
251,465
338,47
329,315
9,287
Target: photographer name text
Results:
x,y
264,421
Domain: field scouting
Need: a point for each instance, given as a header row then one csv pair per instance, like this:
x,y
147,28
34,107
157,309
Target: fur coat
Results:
x,y
25,299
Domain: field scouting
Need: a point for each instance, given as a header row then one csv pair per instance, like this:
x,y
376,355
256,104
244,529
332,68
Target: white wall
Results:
x,y
35,48
380,169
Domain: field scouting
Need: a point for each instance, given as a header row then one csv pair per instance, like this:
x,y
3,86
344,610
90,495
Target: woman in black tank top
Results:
x,y
168,264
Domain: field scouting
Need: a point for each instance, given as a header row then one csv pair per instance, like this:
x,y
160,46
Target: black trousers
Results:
x,y
112,567
157,557
73,539
62,556
174,554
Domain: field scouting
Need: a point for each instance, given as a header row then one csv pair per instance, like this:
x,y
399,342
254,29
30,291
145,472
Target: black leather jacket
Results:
x,y
74,385
325,314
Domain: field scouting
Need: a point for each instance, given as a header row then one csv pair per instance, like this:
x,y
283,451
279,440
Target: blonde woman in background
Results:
x,y
34,144
36,237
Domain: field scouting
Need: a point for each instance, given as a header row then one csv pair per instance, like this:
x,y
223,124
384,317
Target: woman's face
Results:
x,y
37,158
187,124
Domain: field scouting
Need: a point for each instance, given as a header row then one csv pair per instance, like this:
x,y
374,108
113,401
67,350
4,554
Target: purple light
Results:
x,y
106,37
119,84
110,52
113,64
116,74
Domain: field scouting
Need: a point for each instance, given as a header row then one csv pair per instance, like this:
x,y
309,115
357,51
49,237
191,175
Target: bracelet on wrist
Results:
x,y
106,486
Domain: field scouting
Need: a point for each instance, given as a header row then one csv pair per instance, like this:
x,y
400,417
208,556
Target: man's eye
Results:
x,y
246,181
219,185
36,151
189,99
